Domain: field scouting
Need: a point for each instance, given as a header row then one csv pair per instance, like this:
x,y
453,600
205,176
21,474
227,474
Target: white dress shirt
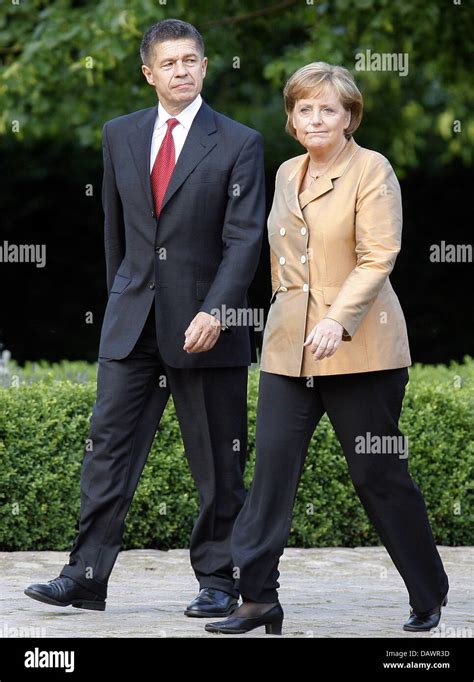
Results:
x,y
179,132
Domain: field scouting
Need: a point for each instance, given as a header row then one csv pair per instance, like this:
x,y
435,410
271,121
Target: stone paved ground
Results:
x,y
331,592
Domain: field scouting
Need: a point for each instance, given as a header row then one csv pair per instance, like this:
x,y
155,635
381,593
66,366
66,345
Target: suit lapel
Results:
x,y
140,145
297,202
197,145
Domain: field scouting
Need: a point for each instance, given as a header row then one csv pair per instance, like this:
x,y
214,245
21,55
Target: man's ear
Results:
x,y
148,74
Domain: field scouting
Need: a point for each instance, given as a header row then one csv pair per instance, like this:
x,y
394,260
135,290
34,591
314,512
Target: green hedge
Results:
x,y
44,420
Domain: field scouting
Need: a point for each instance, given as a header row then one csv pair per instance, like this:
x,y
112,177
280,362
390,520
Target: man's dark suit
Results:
x,y
201,254
206,248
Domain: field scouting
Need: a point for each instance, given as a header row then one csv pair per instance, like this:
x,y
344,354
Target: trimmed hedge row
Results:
x,y
44,423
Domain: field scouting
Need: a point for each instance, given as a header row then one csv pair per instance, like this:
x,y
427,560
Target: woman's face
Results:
x,y
320,121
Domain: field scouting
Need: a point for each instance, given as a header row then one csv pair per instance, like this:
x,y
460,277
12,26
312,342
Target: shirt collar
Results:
x,y
185,117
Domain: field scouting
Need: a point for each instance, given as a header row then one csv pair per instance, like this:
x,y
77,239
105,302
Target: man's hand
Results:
x,y
202,333
325,338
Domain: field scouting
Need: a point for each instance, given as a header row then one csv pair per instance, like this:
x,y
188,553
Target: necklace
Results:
x,y
315,177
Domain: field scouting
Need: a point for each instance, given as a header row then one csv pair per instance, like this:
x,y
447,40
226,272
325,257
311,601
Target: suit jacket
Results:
x,y
332,249
202,252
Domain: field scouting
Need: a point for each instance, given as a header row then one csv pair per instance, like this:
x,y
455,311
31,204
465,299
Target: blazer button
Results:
x,y
303,231
282,231
152,285
303,259
153,214
305,287
282,260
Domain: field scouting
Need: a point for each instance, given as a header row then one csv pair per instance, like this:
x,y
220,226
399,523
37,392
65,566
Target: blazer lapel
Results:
x,y
293,184
296,201
196,146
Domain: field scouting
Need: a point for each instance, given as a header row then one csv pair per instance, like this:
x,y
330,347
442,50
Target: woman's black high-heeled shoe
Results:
x,y
420,622
233,625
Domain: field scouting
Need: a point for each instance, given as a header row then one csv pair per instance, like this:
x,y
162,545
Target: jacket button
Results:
x,y
282,231
303,231
152,285
282,260
303,259
305,287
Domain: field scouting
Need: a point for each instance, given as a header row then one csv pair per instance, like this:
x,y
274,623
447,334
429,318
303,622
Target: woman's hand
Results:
x,y
325,338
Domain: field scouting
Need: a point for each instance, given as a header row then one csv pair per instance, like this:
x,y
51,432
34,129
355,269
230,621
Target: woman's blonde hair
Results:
x,y
311,80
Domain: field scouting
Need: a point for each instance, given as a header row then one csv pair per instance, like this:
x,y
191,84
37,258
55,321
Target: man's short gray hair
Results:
x,y
168,29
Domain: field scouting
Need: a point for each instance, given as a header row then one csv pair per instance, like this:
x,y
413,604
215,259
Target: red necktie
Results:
x,y
163,166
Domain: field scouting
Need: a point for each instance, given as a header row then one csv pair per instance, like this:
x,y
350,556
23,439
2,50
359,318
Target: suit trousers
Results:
x,y
132,393
289,409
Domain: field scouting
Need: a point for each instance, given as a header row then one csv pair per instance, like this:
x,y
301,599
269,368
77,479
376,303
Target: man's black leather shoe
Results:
x,y
272,619
420,622
64,591
211,603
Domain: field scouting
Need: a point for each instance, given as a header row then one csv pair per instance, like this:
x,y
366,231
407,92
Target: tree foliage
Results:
x,y
66,67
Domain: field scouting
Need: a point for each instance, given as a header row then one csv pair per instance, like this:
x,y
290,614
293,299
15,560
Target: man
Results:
x,y
183,197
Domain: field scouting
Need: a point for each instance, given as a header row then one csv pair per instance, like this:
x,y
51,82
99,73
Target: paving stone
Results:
x,y
327,592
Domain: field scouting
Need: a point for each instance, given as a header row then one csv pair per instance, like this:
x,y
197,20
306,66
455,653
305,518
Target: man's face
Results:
x,y
176,72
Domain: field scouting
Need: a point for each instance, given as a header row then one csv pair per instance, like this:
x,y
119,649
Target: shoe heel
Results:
x,y
445,601
274,628
92,605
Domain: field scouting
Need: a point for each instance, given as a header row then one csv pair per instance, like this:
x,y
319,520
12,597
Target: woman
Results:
x,y
335,343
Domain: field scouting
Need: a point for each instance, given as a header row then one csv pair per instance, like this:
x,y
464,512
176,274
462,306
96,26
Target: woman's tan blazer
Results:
x,y
332,249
